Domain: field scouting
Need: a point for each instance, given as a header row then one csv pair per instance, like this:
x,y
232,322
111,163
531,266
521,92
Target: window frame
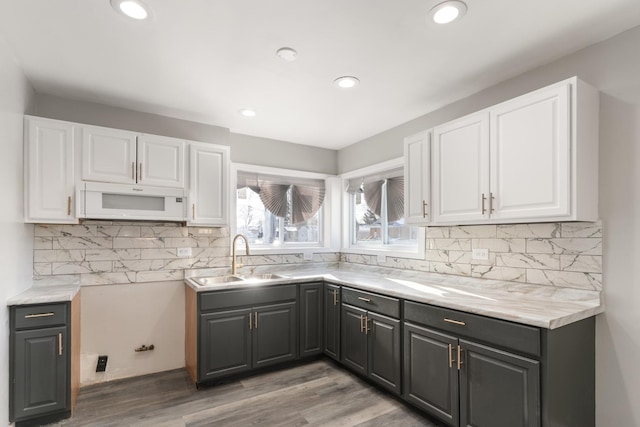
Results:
x,y
348,218
330,237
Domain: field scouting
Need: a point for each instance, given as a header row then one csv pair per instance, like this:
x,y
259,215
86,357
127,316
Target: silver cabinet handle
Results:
x,y
133,166
59,343
364,299
455,322
32,316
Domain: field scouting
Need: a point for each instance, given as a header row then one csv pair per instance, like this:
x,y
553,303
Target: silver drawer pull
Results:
x,y
32,316
364,299
455,322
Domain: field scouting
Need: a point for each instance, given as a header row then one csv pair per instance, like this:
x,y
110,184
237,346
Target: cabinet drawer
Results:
x,y
245,297
36,316
374,302
521,338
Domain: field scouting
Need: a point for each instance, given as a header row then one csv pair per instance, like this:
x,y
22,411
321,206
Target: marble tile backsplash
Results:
x,y
565,255
104,252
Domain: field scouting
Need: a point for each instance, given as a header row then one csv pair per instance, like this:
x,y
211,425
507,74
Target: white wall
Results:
x,y
117,319
16,244
613,66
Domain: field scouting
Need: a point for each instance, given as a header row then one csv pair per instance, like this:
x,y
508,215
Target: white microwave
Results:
x,y
121,201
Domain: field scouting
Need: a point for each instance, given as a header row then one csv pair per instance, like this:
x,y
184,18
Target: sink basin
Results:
x,y
220,280
215,280
266,276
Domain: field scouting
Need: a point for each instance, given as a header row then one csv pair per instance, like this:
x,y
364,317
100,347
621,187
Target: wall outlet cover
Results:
x,y
307,256
480,254
102,364
382,258
184,252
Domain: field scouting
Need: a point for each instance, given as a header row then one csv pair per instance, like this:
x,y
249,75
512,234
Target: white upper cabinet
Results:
x,y
461,169
531,159
417,185
108,155
530,149
208,184
50,170
118,156
160,161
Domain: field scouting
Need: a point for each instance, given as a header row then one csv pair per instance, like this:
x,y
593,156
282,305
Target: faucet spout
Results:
x,y
234,264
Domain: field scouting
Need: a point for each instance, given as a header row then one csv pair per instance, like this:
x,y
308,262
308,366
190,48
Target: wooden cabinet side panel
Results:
x,y
191,333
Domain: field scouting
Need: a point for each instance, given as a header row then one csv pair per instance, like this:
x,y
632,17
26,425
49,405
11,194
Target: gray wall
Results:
x,y
16,244
244,148
269,152
613,66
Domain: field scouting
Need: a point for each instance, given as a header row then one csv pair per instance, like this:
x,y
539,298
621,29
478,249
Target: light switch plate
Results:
x,y
480,254
307,256
184,252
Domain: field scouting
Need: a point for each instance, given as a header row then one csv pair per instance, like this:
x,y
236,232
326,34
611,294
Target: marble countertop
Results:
x,y
52,290
537,305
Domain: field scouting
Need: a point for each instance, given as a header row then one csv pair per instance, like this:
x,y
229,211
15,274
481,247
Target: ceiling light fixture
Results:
x,y
247,112
448,11
286,53
134,9
346,82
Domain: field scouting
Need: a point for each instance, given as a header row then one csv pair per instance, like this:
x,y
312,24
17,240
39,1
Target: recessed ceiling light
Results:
x,y
286,53
448,11
132,8
247,112
346,82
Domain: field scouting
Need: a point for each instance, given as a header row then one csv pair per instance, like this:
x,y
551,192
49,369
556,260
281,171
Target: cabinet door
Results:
x,y
224,343
530,155
208,184
332,321
430,372
274,334
311,325
354,340
461,169
50,165
498,389
385,366
417,170
108,155
160,161
40,377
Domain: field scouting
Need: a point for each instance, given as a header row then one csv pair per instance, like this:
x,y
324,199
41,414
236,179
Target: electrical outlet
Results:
x,y
480,254
382,258
205,231
184,252
102,364
307,256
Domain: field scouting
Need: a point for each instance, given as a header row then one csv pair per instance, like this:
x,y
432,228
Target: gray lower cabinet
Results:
x,y
40,361
332,321
311,303
240,330
470,370
371,340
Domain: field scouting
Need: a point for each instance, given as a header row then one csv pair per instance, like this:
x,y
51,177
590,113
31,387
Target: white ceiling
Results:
x,y
203,60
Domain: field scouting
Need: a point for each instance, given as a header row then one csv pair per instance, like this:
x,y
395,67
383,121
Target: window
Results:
x,y
279,211
375,223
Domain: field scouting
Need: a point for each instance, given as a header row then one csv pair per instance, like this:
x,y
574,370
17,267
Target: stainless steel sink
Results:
x,y
215,280
220,280
265,276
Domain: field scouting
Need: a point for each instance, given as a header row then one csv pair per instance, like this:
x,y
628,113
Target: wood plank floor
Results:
x,y
315,394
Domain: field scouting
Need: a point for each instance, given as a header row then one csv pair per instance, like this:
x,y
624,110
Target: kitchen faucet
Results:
x,y
233,251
